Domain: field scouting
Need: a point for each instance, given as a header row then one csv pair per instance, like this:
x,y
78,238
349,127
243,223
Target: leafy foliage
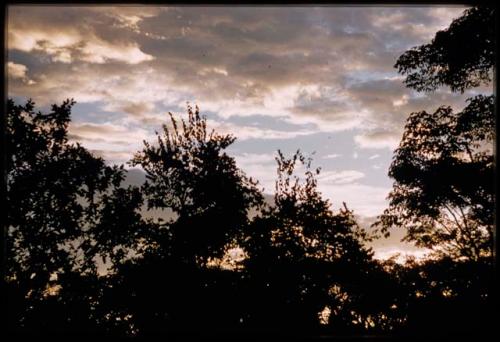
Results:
x,y
304,263
300,223
189,172
444,166
298,249
57,210
460,57
440,294
444,180
306,268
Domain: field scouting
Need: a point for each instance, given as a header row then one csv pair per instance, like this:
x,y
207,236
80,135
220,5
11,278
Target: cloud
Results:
x,y
113,157
385,248
130,16
401,253
101,51
364,199
66,48
335,185
16,70
332,156
331,106
140,111
48,30
233,61
378,139
115,143
323,69
251,132
340,177
261,167
255,158
19,72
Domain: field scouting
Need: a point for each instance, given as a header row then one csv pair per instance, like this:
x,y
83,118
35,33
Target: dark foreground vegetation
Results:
x,y
307,270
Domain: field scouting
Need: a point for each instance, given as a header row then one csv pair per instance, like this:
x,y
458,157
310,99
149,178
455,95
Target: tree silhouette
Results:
x,y
444,180
440,295
56,212
297,250
189,172
444,166
443,193
303,259
306,268
461,57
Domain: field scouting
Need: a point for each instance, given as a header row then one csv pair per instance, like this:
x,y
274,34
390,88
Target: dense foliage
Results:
x,y
306,268
444,166
461,56
444,180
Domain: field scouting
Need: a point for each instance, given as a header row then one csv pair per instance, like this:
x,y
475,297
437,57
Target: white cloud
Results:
x,y
49,41
113,157
16,70
250,132
99,51
378,140
255,158
232,61
261,167
332,156
115,143
77,42
366,200
315,67
19,72
340,177
401,101
337,186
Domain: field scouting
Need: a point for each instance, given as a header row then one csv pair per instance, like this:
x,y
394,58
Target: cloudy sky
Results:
x,y
316,78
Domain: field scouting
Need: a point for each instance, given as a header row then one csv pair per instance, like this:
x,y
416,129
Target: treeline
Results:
x,y
306,268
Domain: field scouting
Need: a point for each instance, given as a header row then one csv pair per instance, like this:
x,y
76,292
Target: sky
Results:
x,y
318,79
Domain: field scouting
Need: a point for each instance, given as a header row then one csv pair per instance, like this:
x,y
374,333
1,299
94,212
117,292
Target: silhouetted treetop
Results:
x,y
300,223
461,56
189,172
305,263
444,166
304,258
51,186
65,212
305,266
444,180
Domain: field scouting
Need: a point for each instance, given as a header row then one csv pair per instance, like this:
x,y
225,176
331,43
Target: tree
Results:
x,y
440,295
444,181
299,252
443,169
189,173
58,201
461,57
